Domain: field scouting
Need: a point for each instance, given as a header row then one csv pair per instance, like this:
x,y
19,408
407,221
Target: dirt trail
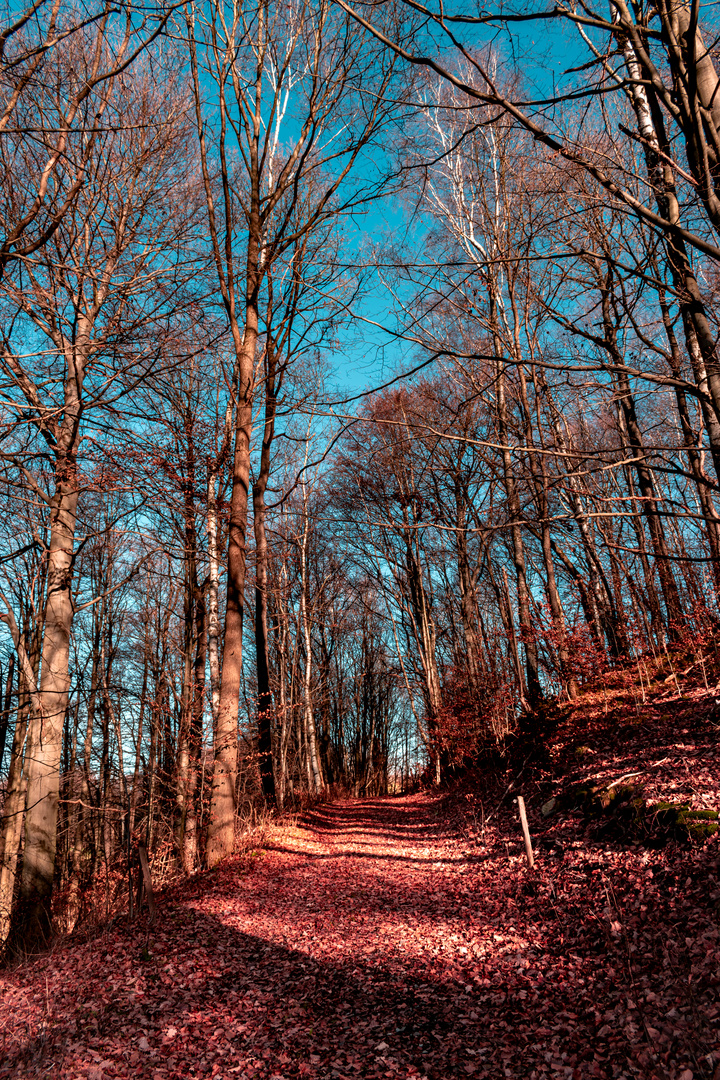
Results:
x,y
367,941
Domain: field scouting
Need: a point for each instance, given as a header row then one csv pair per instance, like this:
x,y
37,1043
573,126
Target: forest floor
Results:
x,y
406,938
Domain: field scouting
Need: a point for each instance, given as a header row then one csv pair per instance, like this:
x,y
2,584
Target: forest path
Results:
x,y
365,941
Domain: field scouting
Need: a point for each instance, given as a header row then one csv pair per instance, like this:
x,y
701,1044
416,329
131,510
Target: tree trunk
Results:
x,y
699,337
5,718
538,473
221,826
32,922
285,722
213,616
690,440
190,852
468,599
12,819
261,587
527,635
315,772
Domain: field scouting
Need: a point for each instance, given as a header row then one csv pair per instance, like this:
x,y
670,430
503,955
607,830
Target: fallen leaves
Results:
x,y
369,943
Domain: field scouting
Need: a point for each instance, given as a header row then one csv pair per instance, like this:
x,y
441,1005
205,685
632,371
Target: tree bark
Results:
x,y
12,818
32,920
221,826
313,757
5,718
527,636
265,703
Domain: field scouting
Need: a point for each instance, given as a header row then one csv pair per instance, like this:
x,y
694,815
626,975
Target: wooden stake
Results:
x,y
526,832
147,880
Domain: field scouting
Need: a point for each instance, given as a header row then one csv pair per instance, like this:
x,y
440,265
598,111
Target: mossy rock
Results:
x,y
621,810
682,822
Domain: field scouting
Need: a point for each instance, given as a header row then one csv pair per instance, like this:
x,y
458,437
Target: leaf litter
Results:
x,y
387,938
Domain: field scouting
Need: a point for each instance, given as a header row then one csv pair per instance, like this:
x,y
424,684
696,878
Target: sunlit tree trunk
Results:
x,y
213,615
32,919
6,706
221,826
313,757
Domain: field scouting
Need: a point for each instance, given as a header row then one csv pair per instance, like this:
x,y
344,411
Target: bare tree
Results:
x,y
97,295
273,69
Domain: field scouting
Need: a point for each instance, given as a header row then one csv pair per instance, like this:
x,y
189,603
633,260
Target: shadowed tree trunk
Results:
x,y
265,703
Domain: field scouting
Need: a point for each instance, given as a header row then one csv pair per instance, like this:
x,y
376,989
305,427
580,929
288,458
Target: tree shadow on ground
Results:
x,y
347,975
371,853
196,997
244,1007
